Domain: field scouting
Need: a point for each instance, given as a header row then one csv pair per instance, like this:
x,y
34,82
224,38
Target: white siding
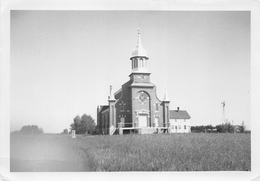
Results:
x,y
180,124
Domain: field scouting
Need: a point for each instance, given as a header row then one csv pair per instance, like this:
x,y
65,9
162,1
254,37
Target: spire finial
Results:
x,y
139,31
139,43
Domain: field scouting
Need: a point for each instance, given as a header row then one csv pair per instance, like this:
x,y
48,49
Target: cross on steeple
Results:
x,y
139,30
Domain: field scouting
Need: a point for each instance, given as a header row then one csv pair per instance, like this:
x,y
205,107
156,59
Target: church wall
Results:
x,y
123,106
140,78
130,105
148,105
104,122
137,105
159,114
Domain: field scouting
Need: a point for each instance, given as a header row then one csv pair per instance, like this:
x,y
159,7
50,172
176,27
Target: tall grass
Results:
x,y
161,152
168,152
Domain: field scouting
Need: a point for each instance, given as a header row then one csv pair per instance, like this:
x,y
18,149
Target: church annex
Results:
x,y
136,108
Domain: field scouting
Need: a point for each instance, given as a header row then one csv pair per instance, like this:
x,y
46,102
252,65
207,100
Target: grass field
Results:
x,y
162,152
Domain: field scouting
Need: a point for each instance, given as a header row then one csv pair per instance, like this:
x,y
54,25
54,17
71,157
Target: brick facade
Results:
x,y
135,107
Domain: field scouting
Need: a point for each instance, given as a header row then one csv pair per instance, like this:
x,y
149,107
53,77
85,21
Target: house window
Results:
x,y
184,120
175,120
184,126
179,126
175,127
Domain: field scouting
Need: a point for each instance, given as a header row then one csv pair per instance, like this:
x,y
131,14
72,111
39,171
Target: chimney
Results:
x,y
178,108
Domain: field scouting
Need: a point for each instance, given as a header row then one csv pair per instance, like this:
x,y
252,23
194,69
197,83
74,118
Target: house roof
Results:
x,y
181,114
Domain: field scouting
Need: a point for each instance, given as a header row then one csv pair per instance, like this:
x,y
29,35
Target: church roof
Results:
x,y
181,114
118,94
103,108
139,50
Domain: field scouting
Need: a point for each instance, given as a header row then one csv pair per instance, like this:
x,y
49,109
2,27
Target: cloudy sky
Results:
x,y
63,62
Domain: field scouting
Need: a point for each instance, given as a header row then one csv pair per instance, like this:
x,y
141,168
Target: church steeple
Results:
x,y
139,57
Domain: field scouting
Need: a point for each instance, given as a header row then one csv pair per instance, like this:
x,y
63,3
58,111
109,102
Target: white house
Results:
x,y
180,121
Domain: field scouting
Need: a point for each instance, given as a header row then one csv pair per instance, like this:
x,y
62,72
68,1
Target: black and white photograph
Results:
x,y
130,91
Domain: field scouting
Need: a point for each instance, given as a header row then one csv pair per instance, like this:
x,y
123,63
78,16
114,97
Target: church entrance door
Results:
x,y
156,121
142,118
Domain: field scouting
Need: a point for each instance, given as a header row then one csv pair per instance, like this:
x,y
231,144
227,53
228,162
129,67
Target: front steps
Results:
x,y
147,130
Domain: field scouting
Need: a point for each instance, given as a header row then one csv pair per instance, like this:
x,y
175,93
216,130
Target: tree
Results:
x,y
202,129
89,123
225,128
242,127
77,121
220,128
229,128
84,124
31,129
65,131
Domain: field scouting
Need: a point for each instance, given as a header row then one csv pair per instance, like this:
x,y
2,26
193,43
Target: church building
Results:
x,y
135,108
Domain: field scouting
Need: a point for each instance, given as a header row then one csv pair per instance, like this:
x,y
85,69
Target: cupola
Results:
x,y
139,57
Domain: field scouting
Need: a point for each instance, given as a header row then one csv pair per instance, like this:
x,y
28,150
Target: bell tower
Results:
x,y
139,57
139,61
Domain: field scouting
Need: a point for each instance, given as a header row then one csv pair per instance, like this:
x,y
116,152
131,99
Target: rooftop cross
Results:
x,y
139,30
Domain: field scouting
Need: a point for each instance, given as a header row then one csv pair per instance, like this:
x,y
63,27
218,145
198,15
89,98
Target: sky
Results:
x,y
63,62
